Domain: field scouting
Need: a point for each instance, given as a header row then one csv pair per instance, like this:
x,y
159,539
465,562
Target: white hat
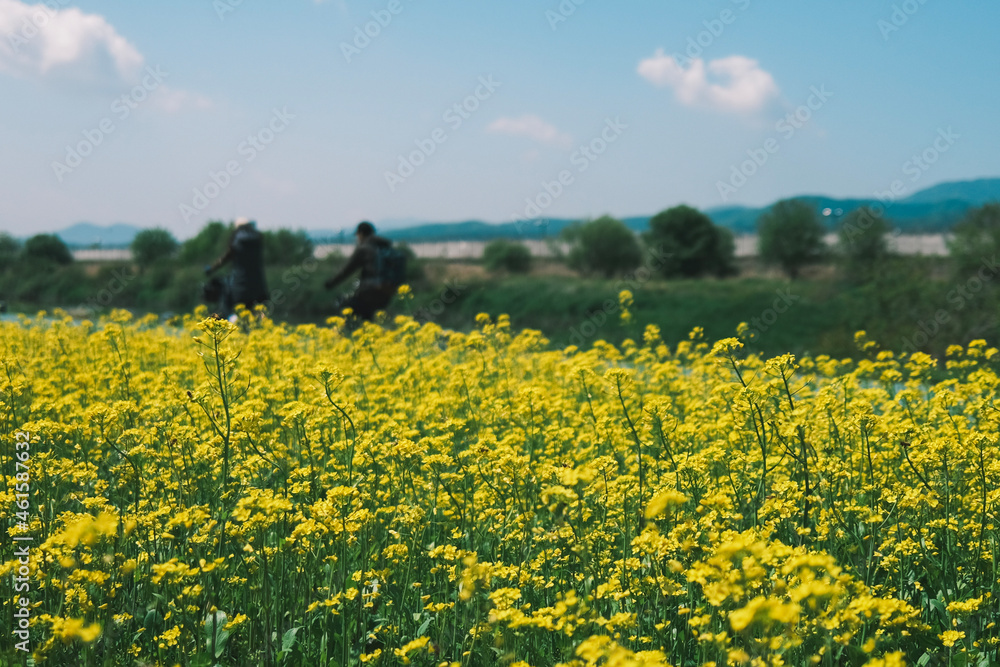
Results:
x,y
243,221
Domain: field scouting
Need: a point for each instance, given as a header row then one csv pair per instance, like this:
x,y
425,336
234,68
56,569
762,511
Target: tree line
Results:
x,y
790,237
283,247
687,243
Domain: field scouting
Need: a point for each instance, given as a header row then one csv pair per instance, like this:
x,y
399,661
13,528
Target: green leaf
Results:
x,y
423,626
288,640
214,633
938,606
959,660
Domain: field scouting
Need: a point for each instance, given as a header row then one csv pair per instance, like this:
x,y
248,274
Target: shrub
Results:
x,y
284,247
9,250
46,248
693,245
791,236
153,245
504,255
976,239
862,243
207,245
604,246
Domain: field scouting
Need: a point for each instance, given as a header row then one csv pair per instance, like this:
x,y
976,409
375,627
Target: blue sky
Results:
x,y
275,111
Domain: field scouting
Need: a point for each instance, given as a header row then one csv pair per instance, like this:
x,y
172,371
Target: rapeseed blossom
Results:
x,y
256,492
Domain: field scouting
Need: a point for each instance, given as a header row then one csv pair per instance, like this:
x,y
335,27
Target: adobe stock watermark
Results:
x,y
582,159
759,325
454,116
249,149
21,570
33,24
117,283
596,319
901,15
921,162
714,28
370,31
224,7
121,108
562,13
958,299
448,295
292,280
786,128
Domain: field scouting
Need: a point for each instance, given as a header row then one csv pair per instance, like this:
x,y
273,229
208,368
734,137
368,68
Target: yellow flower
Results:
x,y
75,628
169,638
763,610
661,501
965,607
950,637
415,645
236,622
895,659
515,490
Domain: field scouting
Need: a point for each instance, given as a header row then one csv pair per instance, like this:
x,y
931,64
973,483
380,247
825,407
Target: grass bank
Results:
x,y
912,303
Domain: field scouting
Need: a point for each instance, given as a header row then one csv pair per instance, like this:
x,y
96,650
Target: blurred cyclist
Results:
x,y
375,288
247,283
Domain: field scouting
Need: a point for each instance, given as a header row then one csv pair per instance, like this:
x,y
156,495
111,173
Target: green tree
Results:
x,y
9,250
976,239
415,272
863,244
505,255
47,248
207,245
152,245
286,248
604,246
693,245
791,235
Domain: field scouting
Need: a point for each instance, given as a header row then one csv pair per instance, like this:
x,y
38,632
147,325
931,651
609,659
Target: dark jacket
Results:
x,y
247,282
365,259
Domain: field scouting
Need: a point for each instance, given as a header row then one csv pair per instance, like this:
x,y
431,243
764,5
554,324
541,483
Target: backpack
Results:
x,y
391,265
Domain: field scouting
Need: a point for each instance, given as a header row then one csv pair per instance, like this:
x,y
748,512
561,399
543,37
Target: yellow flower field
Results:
x,y
203,493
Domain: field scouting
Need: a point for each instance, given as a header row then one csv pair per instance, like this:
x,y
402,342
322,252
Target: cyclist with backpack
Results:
x,y
382,272
247,284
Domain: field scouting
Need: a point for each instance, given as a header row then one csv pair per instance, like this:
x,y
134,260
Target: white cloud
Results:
x,y
533,128
736,83
67,44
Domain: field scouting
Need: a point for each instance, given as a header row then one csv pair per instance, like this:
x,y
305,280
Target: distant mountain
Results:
x,y
398,223
911,218
467,230
934,209
976,192
472,230
475,230
85,234
329,235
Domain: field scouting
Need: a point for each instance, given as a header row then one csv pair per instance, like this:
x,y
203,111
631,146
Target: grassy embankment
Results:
x,y
820,314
